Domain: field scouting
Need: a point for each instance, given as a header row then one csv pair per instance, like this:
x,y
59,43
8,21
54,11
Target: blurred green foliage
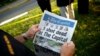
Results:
x,y
86,37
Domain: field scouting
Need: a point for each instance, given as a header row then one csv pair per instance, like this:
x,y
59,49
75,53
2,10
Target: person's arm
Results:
x,y
28,35
67,49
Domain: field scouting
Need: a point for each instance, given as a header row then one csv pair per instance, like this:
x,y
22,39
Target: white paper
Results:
x,y
55,30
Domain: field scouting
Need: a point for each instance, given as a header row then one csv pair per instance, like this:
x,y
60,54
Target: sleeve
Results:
x,y
18,48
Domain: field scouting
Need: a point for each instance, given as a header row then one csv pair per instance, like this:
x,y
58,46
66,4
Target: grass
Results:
x,y
86,36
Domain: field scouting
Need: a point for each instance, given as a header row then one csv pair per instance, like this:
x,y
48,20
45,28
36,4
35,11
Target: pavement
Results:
x,y
12,5
17,8
11,19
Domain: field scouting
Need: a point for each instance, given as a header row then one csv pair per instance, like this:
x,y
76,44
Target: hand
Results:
x,y
32,31
68,49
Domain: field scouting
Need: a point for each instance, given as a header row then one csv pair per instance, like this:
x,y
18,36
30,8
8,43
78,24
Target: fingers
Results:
x,y
34,28
70,44
36,25
31,31
68,49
